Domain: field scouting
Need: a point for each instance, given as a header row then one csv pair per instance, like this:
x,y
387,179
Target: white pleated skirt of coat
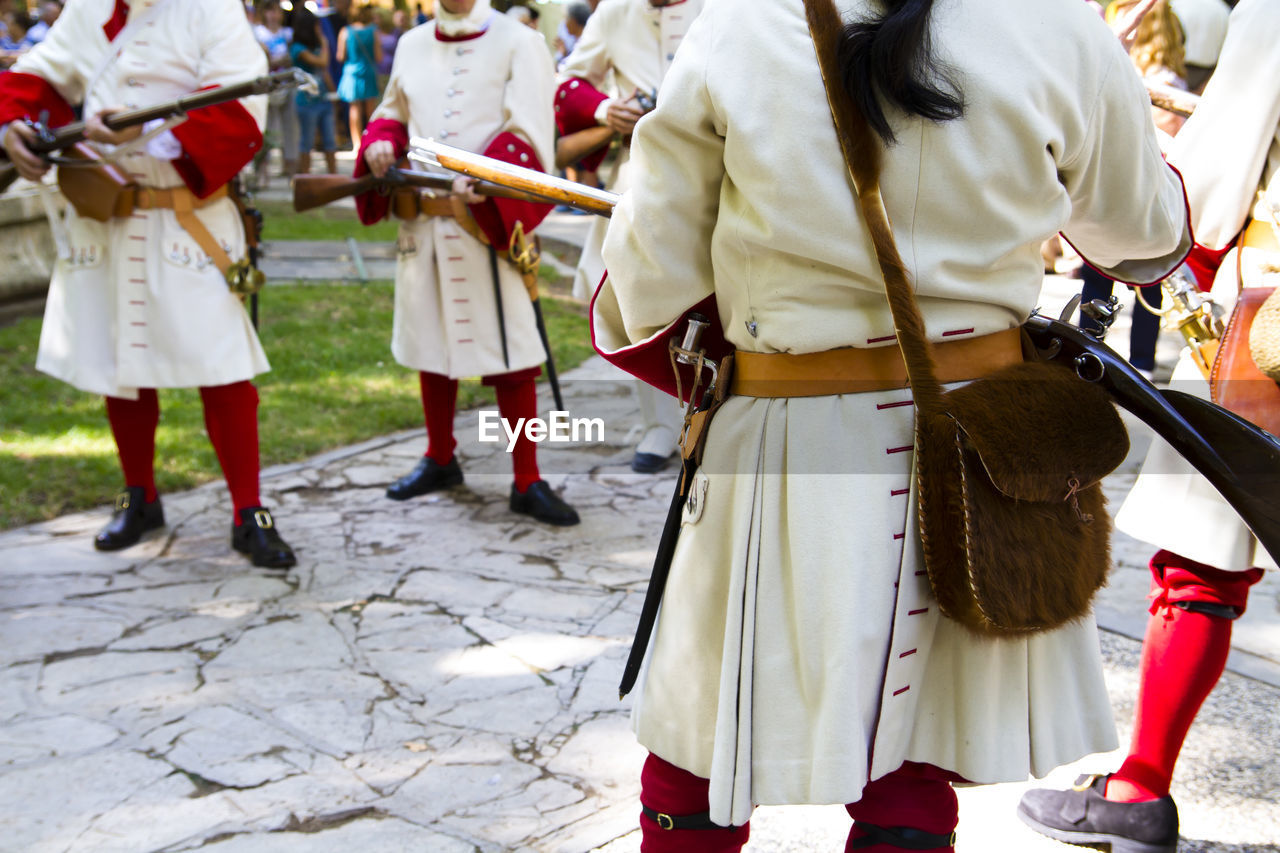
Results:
x,y
446,312
799,652
136,303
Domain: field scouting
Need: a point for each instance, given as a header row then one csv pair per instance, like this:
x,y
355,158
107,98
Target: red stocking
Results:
x,y
669,790
231,418
1183,655
918,796
439,400
133,425
518,398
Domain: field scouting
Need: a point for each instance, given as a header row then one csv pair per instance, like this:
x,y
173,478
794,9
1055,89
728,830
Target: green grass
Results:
x,y
281,222
333,382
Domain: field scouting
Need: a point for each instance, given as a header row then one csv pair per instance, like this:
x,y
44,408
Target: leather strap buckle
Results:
x,y
665,821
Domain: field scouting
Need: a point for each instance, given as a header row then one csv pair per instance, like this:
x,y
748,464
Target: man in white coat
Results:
x,y
799,655
633,42
481,81
1208,558
137,303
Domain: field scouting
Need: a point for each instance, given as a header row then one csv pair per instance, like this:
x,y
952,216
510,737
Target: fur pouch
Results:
x,y
1013,521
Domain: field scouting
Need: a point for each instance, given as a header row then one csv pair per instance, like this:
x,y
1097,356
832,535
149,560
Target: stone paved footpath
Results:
x,y
438,675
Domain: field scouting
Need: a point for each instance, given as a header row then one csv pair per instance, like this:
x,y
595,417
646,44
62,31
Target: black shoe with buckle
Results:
x,y
427,476
648,463
543,504
256,535
133,517
1083,815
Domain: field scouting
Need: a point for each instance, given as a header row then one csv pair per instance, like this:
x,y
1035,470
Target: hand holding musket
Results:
x,y
37,139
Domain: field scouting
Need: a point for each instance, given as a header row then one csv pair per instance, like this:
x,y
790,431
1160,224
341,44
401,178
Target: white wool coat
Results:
x,y
136,303
799,652
1228,151
466,93
627,45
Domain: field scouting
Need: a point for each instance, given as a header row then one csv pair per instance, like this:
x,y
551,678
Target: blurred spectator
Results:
x,y
421,16
310,52
1159,56
333,20
282,116
13,41
49,12
360,52
388,38
570,28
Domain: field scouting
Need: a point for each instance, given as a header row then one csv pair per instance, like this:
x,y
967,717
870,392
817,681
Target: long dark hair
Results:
x,y
891,57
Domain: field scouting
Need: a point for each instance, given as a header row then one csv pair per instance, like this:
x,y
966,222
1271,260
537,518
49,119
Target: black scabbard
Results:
x,y
552,377
657,582
661,568
497,301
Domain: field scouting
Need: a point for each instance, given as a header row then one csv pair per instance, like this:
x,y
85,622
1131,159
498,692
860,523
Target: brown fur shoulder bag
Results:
x,y
1013,522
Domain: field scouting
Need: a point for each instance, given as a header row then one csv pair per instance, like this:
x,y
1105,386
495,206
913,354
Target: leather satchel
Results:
x,y
1236,381
1013,521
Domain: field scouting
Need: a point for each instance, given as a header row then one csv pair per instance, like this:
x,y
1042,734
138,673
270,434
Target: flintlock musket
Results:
x,y
51,142
310,191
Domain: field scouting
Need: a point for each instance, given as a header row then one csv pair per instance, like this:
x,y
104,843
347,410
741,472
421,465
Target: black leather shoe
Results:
x,y
427,476
544,505
648,463
256,535
133,517
1083,815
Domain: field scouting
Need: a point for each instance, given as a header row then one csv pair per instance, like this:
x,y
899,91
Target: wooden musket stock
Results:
x,y
547,187
51,141
1176,101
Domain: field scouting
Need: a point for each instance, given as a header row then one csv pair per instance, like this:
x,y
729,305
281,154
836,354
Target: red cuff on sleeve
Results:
x,y
217,142
576,104
1204,262
372,206
498,216
26,96
650,361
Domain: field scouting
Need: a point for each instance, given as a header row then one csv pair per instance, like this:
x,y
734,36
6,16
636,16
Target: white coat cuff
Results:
x,y
165,146
602,111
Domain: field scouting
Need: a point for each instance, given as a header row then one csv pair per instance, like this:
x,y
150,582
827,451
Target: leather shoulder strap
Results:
x,y
862,154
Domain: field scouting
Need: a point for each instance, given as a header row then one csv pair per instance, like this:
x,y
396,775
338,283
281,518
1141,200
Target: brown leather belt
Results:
x,y
1260,235
852,370
183,202
408,204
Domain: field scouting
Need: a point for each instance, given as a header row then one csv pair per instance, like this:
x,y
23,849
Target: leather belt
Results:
x,y
183,203
852,370
408,204
1260,235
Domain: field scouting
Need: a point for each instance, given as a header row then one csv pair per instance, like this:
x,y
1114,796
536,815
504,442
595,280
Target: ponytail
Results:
x,y
890,57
